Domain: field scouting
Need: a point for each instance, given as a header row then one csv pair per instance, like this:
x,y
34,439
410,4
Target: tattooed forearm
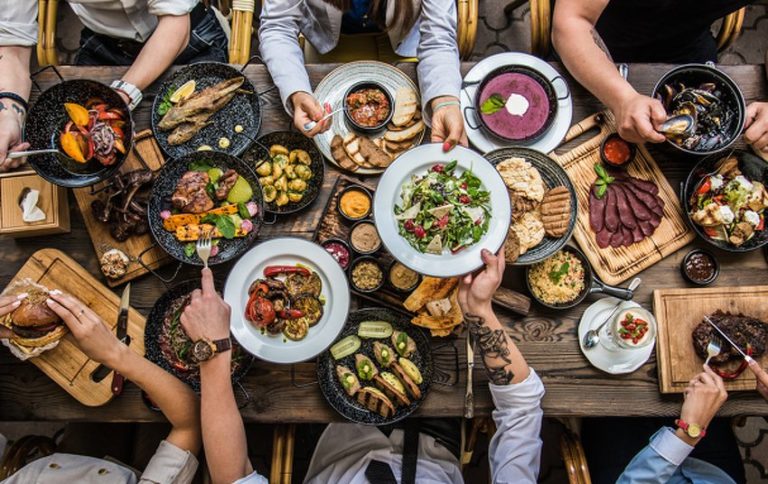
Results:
x,y
599,42
494,347
18,110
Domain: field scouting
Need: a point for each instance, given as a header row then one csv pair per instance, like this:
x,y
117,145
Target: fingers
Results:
x,y
751,114
762,390
9,303
78,310
761,143
501,261
489,259
716,378
208,286
72,322
645,127
760,373
455,131
758,127
658,113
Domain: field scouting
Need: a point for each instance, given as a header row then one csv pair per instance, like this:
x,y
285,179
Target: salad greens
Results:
x,y
493,104
441,209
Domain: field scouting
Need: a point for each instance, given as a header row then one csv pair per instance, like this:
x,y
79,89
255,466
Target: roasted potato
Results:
x,y
266,181
270,193
277,171
303,172
300,156
264,169
295,197
297,185
282,184
278,150
282,199
290,171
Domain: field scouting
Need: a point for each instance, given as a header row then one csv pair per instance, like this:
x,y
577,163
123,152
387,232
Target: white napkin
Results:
x,y
30,211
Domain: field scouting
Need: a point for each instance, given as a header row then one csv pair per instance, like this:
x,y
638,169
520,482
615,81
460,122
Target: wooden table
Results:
x,y
547,339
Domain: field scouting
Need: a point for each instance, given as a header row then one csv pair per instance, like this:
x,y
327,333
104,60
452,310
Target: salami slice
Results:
x,y
611,210
649,200
627,236
596,211
626,214
637,234
644,185
655,221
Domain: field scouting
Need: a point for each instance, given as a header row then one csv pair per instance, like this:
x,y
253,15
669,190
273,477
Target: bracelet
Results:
x,y
15,97
445,104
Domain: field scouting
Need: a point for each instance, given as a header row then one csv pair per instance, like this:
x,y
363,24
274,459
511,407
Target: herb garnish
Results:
x,y
493,104
557,275
603,180
223,223
165,102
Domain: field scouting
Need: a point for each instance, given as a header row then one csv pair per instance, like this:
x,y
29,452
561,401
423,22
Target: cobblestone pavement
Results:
x,y
501,32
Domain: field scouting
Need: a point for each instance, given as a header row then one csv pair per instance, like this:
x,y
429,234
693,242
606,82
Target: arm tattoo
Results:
x,y
599,42
2,106
18,110
493,345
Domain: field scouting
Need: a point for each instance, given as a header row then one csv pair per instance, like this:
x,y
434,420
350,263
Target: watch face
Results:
x,y
694,431
202,351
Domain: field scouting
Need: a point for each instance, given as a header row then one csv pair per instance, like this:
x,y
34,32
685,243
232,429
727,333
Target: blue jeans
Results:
x,y
207,42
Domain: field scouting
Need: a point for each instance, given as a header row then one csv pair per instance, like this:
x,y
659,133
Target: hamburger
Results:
x,y
33,323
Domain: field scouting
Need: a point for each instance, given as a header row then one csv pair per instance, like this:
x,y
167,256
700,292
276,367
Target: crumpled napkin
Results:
x,y
30,211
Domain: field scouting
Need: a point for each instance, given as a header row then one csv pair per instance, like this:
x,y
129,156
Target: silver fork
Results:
x,y
713,348
203,247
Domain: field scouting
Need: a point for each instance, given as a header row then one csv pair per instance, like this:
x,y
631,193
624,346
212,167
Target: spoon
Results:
x,y
592,337
309,126
19,154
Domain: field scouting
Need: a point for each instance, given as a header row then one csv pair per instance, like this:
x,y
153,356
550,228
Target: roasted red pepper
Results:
x,y
705,187
735,374
260,310
290,314
272,271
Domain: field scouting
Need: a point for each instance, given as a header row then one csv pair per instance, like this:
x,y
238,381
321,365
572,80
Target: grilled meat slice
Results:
x,y
190,195
225,183
374,400
741,329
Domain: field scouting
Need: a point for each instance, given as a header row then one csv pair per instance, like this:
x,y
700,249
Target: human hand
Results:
x,y
207,315
638,117
447,124
11,119
761,375
306,109
704,396
476,291
756,126
8,304
93,337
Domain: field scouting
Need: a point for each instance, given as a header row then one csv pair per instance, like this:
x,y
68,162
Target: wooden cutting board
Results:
x,y
615,265
145,148
66,364
679,311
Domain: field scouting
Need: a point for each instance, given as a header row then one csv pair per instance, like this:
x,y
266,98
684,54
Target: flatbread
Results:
x,y
406,134
521,205
430,289
522,178
406,104
530,231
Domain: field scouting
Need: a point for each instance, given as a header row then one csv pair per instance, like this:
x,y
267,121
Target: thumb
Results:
x,y
313,109
752,112
207,282
760,374
5,143
658,113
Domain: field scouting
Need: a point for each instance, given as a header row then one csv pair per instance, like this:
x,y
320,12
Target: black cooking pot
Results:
x,y
592,284
545,83
46,120
692,75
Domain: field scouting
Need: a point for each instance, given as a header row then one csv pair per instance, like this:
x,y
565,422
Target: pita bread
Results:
x,y
406,104
430,289
441,324
522,178
530,231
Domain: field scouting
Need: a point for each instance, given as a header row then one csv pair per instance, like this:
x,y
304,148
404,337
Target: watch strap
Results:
x,y
133,92
222,345
684,426
16,98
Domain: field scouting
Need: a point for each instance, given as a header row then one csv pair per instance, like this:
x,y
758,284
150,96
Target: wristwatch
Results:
x,y
204,349
693,430
133,92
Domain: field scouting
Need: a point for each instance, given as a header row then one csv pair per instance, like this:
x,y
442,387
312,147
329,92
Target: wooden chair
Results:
x,y
574,458
24,451
283,439
541,26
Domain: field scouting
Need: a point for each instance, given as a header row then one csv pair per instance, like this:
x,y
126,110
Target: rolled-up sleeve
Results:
x,y
438,52
170,465
515,450
159,8
658,461
279,46
18,23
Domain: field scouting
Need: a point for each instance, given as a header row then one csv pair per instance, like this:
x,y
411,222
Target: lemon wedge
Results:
x,y
183,92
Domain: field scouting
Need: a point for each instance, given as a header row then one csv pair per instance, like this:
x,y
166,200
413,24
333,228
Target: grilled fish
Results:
x,y
209,100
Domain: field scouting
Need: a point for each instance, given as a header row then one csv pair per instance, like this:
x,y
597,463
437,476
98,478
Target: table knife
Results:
x,y
469,399
706,318
122,334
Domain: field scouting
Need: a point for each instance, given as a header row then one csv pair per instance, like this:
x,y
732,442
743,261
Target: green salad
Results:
x,y
442,210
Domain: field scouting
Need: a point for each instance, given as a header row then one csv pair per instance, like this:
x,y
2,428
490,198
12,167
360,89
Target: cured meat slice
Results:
x,y
625,210
611,210
617,239
655,221
603,238
637,234
644,185
646,227
627,237
596,211
639,209
649,200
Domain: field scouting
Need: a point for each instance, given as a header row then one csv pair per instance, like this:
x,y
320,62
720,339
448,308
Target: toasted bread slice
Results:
x,y
373,154
406,104
391,390
430,289
375,401
410,386
406,134
340,155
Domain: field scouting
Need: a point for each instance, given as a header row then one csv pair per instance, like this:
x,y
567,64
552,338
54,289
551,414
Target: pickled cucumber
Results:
x,y
374,329
345,347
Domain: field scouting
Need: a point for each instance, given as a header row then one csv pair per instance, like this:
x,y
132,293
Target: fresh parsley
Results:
x,y
189,249
493,104
557,275
165,102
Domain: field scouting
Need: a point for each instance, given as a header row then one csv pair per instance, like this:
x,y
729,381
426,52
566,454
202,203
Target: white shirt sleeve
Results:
x,y
170,465
158,8
515,450
18,23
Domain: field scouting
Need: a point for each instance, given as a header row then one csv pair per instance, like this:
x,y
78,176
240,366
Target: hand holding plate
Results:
x,y
476,291
448,123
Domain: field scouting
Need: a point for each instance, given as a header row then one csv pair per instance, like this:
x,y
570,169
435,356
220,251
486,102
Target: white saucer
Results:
x,y
614,362
561,124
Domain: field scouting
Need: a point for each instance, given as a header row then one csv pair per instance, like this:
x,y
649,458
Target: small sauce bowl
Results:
x,y
617,152
352,218
700,267
362,86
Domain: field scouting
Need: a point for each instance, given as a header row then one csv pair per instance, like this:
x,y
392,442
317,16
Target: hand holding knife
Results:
x,y
469,400
122,334
761,374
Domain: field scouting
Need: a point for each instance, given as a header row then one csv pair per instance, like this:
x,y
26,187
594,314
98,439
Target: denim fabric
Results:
x,y
207,42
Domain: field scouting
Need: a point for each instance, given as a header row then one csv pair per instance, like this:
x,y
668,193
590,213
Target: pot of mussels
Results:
x,y
705,108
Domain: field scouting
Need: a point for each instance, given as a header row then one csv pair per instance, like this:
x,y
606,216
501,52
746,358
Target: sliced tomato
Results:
x,y
712,232
761,225
705,187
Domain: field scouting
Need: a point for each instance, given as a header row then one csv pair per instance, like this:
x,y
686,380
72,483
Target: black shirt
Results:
x,y
670,31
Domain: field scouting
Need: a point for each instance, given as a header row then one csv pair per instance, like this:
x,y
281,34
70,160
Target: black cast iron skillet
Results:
x,y
753,168
160,199
244,110
334,393
47,118
154,328
536,76
293,141
592,284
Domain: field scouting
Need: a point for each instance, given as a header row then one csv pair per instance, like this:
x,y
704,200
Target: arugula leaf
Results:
x,y
450,167
493,104
601,190
557,275
200,166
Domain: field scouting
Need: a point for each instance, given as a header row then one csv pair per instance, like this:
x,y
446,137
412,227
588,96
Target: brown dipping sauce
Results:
x,y
700,267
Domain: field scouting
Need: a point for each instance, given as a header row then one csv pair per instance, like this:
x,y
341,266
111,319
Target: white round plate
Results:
x,y
485,142
614,362
333,86
287,251
417,161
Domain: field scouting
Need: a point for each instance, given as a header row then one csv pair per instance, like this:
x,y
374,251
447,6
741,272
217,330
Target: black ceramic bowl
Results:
x,y
154,330
366,258
693,75
348,407
160,199
351,188
540,79
632,151
343,244
293,141
244,110
404,290
700,282
552,174
753,168
47,118
352,244
368,85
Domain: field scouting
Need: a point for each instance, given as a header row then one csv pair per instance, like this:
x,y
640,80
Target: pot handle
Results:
x,y
618,292
34,75
466,117
567,90
271,220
